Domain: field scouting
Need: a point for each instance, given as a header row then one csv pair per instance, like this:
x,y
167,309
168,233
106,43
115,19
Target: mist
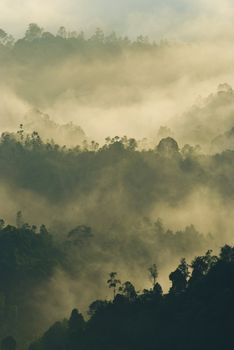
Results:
x,y
128,139
106,97
180,20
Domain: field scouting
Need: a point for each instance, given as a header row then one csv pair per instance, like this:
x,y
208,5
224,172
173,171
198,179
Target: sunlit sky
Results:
x,y
179,19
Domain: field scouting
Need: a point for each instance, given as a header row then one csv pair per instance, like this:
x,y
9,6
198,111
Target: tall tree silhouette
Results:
x,y
153,274
113,282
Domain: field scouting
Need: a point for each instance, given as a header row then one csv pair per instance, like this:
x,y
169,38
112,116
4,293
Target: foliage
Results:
x,y
190,316
28,258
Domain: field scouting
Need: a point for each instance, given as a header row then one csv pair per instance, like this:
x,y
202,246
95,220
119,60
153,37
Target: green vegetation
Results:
x,y
28,257
65,43
145,176
79,205
196,313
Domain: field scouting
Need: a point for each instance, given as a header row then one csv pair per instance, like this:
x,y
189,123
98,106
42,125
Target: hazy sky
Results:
x,y
180,19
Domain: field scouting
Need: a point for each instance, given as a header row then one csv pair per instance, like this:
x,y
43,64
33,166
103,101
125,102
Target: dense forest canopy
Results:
x,y
31,259
100,203
196,313
116,161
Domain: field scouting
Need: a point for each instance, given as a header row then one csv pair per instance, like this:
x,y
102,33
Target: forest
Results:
x,y
116,171
196,313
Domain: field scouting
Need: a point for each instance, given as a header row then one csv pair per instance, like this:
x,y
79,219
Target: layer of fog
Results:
x,y
133,94
203,208
194,19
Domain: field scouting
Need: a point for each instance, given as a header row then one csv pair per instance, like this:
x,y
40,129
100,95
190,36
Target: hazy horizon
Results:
x,y
195,20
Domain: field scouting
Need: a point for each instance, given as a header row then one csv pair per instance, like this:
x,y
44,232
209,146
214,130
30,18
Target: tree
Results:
x,y
200,318
62,32
33,32
179,278
157,290
129,291
99,36
111,39
201,265
113,282
76,326
76,322
20,132
153,274
5,39
43,230
132,144
168,147
227,254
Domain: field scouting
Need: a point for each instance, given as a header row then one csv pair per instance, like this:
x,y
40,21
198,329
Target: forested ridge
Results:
x,y
164,173
66,42
196,313
116,171
31,255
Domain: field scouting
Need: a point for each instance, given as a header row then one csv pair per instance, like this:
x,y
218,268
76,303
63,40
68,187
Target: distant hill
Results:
x,y
210,117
